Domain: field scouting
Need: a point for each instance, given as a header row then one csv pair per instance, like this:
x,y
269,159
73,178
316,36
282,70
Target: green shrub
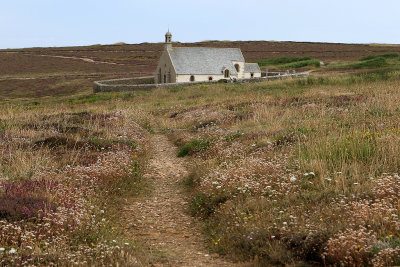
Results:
x,y
3,126
368,57
31,103
193,147
281,60
301,64
177,89
387,55
377,62
232,137
390,55
205,205
89,99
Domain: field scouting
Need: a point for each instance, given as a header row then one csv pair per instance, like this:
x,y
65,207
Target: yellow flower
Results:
x,y
321,219
390,236
358,246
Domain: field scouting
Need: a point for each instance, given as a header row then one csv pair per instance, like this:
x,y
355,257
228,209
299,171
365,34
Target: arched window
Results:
x,y
252,75
165,78
192,78
237,67
169,77
226,73
210,78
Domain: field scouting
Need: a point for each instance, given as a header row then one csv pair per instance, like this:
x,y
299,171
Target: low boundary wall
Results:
x,y
147,83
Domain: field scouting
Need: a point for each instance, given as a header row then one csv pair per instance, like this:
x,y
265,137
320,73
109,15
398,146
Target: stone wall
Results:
x,y
147,83
135,84
130,81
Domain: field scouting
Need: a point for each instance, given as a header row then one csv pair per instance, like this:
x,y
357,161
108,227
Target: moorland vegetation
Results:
x,y
298,172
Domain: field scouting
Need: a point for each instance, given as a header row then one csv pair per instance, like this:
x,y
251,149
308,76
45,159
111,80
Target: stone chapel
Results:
x,y
199,64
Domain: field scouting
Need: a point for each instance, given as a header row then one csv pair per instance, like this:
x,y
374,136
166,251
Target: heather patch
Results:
x,y
59,183
75,193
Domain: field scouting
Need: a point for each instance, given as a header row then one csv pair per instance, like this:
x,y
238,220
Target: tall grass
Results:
x,y
305,167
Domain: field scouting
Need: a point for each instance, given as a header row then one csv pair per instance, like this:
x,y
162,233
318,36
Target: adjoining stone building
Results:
x,y
195,64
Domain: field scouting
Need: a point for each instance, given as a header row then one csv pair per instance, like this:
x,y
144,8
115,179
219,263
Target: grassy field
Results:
x,y
287,172
293,172
300,172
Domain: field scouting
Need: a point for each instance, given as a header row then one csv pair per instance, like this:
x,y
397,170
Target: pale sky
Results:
x,y
32,23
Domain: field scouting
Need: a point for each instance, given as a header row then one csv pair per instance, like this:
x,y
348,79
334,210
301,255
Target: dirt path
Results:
x,y
161,221
89,60
73,75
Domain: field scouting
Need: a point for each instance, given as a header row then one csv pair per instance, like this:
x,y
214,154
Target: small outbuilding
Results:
x,y
198,64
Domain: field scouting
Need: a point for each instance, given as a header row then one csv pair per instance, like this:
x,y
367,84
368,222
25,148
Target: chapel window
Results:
x,y
226,73
237,67
210,78
192,78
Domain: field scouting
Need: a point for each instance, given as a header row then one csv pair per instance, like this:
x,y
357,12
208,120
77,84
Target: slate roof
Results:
x,y
204,60
252,67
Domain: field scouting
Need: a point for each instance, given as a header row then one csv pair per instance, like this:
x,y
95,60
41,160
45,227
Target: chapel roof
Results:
x,y
204,60
252,67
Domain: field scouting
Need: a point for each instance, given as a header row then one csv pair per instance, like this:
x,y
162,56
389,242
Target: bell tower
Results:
x,y
168,40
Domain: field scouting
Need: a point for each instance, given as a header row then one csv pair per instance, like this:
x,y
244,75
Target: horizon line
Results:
x,y
204,41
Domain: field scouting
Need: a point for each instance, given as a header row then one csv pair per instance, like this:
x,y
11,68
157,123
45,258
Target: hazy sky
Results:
x,y
30,23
